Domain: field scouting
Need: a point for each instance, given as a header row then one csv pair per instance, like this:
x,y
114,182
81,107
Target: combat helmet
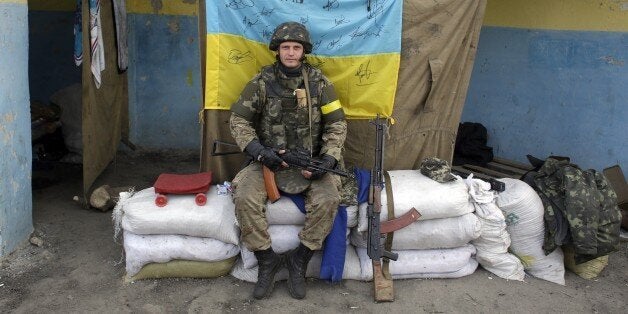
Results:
x,y
291,31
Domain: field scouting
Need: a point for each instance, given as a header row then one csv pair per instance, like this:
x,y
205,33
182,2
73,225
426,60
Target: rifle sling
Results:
x,y
391,215
309,104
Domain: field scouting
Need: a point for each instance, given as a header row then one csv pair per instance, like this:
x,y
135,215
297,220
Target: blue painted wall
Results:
x,y
15,134
164,81
552,92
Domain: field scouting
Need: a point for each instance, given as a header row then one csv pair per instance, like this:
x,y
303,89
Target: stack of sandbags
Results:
x,y
523,210
285,220
493,242
435,246
181,239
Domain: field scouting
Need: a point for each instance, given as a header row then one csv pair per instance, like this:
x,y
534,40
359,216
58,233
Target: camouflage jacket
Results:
x,y
269,111
582,200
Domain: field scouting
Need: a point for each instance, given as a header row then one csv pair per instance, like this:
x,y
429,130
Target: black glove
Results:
x,y
266,155
324,161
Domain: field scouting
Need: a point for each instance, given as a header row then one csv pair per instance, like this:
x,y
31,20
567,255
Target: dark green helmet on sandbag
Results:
x,y
291,31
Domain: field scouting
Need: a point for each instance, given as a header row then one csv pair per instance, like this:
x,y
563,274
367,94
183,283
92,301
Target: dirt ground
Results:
x,y
79,269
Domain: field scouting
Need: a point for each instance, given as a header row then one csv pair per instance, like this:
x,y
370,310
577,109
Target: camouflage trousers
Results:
x,y
321,204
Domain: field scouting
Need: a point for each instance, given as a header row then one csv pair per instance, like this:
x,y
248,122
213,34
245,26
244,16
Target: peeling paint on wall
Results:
x,y
157,5
189,78
9,117
612,61
6,128
174,26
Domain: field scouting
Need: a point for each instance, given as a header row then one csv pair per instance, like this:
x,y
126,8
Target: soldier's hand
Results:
x,y
325,161
269,158
266,155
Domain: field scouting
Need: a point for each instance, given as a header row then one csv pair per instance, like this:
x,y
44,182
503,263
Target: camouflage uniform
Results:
x,y
587,203
267,111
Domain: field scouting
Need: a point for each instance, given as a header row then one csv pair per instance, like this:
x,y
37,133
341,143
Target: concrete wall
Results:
x,y
551,78
15,133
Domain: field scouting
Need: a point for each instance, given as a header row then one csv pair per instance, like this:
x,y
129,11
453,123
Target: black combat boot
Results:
x,y
297,261
268,263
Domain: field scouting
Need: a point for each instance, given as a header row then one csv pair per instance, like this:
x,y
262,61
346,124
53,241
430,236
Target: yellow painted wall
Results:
x,y
591,15
13,1
169,7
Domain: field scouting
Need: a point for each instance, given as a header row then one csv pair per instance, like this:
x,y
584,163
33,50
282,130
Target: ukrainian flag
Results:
x,y
356,43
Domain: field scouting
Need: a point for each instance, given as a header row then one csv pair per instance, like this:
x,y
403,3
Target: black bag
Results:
x,y
471,145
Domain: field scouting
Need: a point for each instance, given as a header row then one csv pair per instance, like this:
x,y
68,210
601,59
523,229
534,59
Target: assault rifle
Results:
x,y
382,280
299,158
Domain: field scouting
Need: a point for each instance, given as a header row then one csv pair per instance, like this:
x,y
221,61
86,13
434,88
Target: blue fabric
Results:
x,y
335,245
363,177
78,34
335,248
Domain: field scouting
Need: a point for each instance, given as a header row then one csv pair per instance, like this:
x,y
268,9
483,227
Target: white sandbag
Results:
x,y
438,263
352,216
433,200
523,211
285,212
467,270
351,268
430,234
144,249
492,245
283,239
216,219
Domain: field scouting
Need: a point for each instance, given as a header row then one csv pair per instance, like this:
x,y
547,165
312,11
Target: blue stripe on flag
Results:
x,y
338,27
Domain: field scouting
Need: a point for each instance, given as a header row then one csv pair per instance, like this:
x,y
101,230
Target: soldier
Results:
x,y
288,105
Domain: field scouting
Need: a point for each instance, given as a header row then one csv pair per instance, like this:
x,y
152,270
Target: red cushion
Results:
x,y
168,183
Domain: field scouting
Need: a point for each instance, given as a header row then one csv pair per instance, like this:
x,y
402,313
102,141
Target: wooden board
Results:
x,y
496,169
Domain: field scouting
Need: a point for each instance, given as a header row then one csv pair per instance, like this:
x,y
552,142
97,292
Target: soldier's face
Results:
x,y
290,54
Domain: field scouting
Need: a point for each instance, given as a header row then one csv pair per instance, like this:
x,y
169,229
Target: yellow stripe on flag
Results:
x,y
232,61
365,85
332,106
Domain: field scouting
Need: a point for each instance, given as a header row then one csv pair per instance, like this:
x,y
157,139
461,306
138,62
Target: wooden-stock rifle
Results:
x,y
382,280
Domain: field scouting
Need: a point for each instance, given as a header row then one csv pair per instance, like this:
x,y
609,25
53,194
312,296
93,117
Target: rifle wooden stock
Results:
x,y
382,282
270,185
382,285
